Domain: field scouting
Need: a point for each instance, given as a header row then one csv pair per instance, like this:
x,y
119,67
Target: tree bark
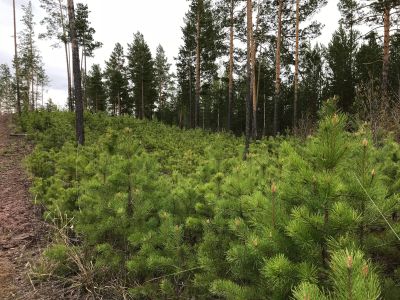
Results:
x,y
249,76
386,55
70,106
191,124
230,84
253,77
16,62
142,114
296,67
80,136
198,53
278,68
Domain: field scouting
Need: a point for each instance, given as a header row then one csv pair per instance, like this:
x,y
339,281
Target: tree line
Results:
x,y
253,67
248,67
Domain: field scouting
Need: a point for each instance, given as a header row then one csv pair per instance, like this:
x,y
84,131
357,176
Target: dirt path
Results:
x,y
20,224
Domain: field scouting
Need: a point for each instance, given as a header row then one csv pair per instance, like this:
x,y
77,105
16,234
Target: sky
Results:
x,y
160,21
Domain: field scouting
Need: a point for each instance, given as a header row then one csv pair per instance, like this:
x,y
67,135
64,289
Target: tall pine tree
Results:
x,y
141,74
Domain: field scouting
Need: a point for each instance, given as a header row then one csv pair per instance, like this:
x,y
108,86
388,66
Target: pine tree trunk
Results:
x,y
231,45
33,93
16,62
191,123
42,95
142,114
249,76
70,106
119,104
278,68
160,100
386,55
253,77
296,67
80,137
265,123
198,53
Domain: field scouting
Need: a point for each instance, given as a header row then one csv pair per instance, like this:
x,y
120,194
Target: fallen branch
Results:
x,y
19,134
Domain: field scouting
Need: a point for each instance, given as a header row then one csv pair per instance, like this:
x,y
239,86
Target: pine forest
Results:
x,y
261,160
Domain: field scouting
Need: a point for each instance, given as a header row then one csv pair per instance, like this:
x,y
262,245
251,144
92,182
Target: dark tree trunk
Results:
x,y
296,67
230,92
191,124
386,55
249,76
198,59
142,113
80,136
253,77
278,69
16,62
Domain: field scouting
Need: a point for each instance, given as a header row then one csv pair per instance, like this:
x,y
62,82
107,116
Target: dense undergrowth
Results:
x,y
150,211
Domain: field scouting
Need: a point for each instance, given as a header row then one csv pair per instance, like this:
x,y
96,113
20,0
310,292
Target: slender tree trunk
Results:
x,y
80,136
249,77
264,125
70,106
386,55
160,100
37,93
191,124
33,93
96,105
42,96
198,53
278,68
230,88
142,115
296,67
16,62
253,76
119,104
84,74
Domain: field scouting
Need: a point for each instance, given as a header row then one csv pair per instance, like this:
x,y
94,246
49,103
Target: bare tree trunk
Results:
x,y
142,114
33,93
190,96
42,96
119,104
296,67
253,76
230,88
264,125
37,93
198,53
80,136
386,55
70,106
249,77
278,68
16,62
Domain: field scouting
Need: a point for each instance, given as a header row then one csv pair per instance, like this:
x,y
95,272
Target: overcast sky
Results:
x,y
115,21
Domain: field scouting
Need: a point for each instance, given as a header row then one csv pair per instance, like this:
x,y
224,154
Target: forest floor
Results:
x,y
23,234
